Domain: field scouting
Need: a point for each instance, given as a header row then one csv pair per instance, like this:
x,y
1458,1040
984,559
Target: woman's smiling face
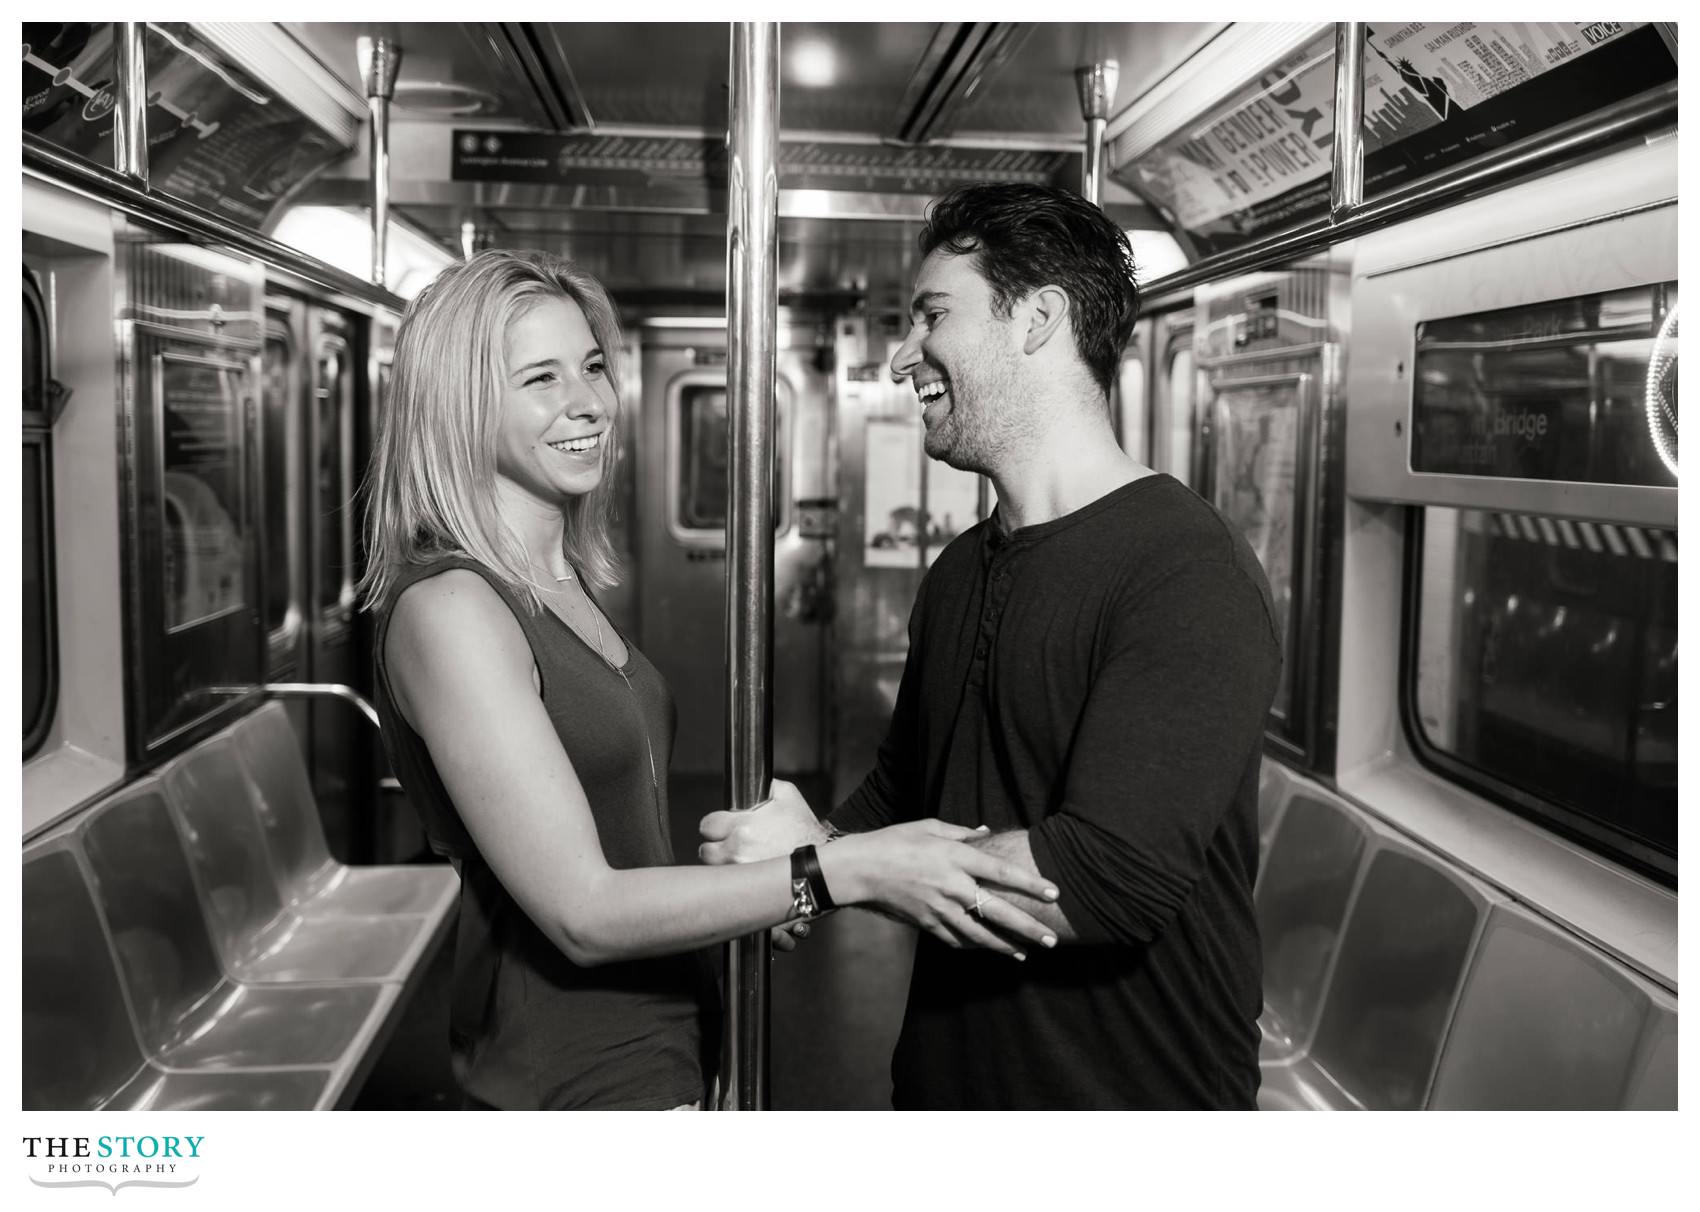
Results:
x,y
558,404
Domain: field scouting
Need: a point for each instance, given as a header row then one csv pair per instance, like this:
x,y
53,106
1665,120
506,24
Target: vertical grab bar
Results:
x,y
752,235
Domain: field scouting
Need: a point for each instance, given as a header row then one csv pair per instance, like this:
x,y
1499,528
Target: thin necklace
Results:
x,y
649,748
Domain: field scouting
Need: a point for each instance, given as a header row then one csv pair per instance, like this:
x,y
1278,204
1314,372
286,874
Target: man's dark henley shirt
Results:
x,y
1101,681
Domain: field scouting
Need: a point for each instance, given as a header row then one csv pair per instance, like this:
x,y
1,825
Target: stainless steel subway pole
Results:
x,y
752,305
1097,86
380,59
1346,193
130,103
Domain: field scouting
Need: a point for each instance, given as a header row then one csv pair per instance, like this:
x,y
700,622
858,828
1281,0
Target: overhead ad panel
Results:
x,y
1435,94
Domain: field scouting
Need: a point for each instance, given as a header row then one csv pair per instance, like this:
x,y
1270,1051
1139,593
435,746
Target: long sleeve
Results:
x,y
1176,708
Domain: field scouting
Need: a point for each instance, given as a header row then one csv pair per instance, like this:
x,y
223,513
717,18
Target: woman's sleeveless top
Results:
x,y
528,1028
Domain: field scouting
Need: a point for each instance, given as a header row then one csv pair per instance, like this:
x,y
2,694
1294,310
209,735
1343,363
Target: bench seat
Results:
x,y
167,967
80,1050
1394,980
258,937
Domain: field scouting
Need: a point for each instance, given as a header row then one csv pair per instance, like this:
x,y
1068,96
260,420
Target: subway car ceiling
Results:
x,y
1434,384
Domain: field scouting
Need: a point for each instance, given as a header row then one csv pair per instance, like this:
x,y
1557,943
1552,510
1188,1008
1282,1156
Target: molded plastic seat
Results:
x,y
189,1013
1303,890
311,881
1544,1022
1274,785
257,938
79,1050
1652,1083
1402,957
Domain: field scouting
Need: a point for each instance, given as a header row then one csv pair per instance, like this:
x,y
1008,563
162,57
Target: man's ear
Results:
x,y
1047,308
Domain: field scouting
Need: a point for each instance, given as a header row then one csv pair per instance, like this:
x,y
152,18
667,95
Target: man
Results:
x,y
1088,675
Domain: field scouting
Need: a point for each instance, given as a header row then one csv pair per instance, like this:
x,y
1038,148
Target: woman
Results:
x,y
533,738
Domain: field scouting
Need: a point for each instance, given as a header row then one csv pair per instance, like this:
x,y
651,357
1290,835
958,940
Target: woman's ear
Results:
x,y
1047,308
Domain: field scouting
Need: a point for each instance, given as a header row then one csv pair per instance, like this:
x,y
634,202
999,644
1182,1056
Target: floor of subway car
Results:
x,y
837,1001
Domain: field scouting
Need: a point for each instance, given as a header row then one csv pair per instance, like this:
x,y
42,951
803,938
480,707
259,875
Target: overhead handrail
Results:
x,y
325,690
53,164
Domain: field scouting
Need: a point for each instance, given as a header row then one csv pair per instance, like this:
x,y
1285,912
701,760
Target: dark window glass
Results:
x,y
278,491
1545,671
334,400
1551,391
31,360
704,458
40,630
703,452
38,612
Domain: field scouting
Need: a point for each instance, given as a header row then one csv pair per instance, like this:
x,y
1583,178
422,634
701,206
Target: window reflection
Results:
x,y
1546,660
1551,391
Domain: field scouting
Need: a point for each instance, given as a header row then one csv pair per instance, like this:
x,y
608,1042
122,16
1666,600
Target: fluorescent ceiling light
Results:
x,y
343,238
814,64
1155,255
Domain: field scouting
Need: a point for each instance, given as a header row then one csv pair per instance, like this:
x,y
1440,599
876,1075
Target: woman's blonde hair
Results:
x,y
431,487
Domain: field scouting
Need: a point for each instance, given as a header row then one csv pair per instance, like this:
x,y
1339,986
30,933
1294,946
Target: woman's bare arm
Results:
x,y
463,675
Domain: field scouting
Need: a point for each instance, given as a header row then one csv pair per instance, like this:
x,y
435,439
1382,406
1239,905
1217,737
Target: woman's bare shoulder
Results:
x,y
451,616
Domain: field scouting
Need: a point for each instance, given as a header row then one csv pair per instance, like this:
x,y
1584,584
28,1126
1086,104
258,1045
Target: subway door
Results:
x,y
286,375
682,473
1130,410
1174,415
338,740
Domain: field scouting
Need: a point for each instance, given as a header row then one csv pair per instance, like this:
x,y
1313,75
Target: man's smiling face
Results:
x,y
962,357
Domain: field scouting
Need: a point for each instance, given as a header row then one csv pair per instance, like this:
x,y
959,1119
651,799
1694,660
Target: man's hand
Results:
x,y
1013,848
772,829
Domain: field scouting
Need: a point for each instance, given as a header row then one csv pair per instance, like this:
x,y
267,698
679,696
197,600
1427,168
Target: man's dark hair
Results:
x,y
1028,236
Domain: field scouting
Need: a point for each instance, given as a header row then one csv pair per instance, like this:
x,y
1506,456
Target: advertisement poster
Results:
x,y
201,409
1270,137
893,514
215,137
1257,447
1435,94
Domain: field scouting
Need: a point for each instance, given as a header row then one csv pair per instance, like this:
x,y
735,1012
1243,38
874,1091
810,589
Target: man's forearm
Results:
x,y
1013,847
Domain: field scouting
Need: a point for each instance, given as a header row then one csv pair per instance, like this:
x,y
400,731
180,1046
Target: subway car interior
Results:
x,y
1408,319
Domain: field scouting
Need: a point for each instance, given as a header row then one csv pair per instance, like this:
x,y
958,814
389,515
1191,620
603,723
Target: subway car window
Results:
x,y
701,439
40,638
702,458
1552,391
1544,670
